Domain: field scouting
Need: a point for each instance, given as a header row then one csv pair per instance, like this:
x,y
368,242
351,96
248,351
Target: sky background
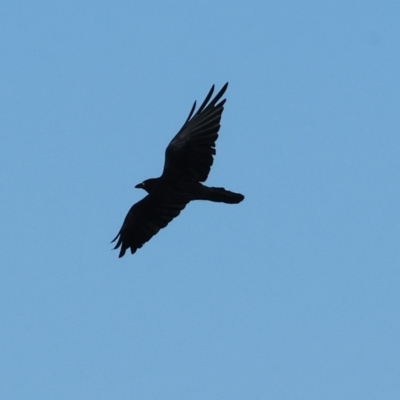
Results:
x,y
292,294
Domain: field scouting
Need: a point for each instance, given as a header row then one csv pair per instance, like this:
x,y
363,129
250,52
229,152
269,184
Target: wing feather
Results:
x,y
145,219
190,153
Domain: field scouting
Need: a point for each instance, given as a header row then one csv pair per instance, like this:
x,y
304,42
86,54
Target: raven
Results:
x,y
188,160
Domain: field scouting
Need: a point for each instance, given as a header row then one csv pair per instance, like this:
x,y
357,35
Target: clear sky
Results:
x,y
292,294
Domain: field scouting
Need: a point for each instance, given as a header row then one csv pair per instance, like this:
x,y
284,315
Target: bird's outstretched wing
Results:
x,y
145,219
190,153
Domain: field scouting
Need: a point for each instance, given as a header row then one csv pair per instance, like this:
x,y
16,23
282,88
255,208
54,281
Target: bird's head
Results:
x,y
148,185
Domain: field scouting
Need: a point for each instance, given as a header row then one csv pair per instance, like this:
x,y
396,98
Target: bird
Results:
x,y
188,160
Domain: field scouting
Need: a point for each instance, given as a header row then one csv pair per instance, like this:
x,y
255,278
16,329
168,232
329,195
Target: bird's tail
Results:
x,y
220,195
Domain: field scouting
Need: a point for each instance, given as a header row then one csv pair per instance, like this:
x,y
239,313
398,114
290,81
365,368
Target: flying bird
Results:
x,y
188,160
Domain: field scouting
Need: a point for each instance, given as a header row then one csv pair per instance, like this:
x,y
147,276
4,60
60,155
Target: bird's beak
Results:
x,y
139,186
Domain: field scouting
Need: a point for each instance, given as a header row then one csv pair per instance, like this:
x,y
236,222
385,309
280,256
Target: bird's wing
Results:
x,y
145,219
190,153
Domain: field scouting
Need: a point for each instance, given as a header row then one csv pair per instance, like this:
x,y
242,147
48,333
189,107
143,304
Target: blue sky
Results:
x,y
292,294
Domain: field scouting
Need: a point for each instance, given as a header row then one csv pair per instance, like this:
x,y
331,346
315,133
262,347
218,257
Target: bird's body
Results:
x,y
188,160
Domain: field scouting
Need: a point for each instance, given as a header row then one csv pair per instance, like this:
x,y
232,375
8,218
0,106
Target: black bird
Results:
x,y
188,160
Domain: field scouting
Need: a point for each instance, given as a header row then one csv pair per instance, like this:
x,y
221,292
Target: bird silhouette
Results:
x,y
188,160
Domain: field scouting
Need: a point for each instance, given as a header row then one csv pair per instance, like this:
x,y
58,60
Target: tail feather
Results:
x,y
221,195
